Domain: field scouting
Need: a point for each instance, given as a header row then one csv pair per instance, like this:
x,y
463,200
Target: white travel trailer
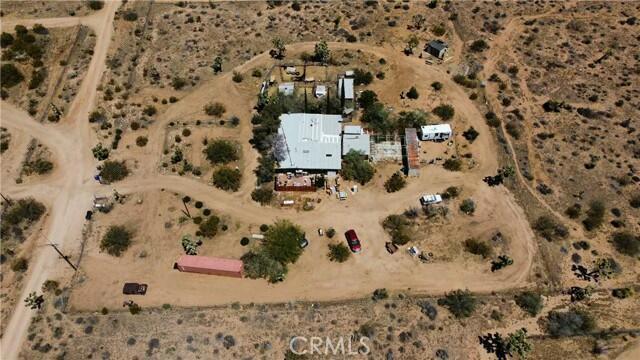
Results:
x,y
438,132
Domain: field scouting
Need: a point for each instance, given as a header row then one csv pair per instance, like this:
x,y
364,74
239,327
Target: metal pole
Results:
x,y
6,199
66,258
186,208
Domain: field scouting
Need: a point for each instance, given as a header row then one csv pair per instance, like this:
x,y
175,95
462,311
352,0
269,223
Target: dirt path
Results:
x,y
69,142
69,191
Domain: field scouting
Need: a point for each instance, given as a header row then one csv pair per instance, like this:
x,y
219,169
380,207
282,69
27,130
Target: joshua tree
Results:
x,y
217,64
34,301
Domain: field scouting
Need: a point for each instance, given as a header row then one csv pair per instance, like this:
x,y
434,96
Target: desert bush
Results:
x,y
492,119
237,77
437,86
549,228
451,192
10,76
221,152
356,167
215,109
479,45
339,252
24,210
445,112
116,240
262,195
6,40
622,293
367,98
395,183
150,110
380,294
570,323
37,77
95,4
331,232
470,134
97,116
413,93
20,265
634,202
178,82
468,206
39,166
50,286
465,81
461,303
438,30
595,215
513,129
573,211
209,227
477,247
142,141
256,73
113,171
530,302
130,15
398,227
282,241
226,178
626,243
452,164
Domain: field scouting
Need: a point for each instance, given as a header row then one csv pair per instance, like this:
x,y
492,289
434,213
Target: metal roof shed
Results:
x,y
210,265
348,88
412,152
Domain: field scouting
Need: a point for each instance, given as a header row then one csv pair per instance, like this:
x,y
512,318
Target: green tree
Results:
x,y
517,344
217,64
226,178
282,241
595,215
479,45
113,171
530,302
6,40
356,167
10,76
262,195
411,119
215,109
367,98
398,227
116,240
437,86
627,243
322,53
377,117
395,183
452,164
338,252
221,152
461,303
362,77
95,4
570,323
477,247
259,264
279,49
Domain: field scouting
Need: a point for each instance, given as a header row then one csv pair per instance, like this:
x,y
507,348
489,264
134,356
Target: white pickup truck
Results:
x,y
429,199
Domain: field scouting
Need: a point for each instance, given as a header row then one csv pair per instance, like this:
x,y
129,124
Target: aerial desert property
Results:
x,y
374,179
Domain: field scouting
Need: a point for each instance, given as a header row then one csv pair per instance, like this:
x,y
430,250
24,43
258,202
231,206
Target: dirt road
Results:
x,y
68,192
63,193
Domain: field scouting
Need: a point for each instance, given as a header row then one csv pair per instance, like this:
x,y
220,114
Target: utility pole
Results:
x,y
66,258
7,199
186,208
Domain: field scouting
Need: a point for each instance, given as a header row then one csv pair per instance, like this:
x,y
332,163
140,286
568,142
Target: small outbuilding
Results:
x,y
286,88
210,265
437,48
348,88
354,138
320,91
411,153
437,132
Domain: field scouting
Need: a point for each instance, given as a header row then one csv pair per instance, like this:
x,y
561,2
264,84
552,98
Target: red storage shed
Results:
x,y
210,265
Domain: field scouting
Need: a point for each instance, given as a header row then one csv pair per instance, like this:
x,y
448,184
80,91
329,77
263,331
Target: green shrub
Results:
x,y
461,303
215,109
356,167
627,243
468,206
95,4
362,77
530,302
471,134
492,119
367,98
477,247
398,227
130,15
634,202
413,93
237,77
20,265
221,152
452,164
445,112
339,252
28,210
262,195
331,232
570,323
227,179
573,211
549,228
142,141
209,227
478,45
150,110
513,129
178,83
437,86
595,215
113,171
10,76
395,183
622,293
6,40
116,240
37,77
256,73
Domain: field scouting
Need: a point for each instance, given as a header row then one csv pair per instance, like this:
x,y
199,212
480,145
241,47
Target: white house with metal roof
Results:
x,y
310,142
286,88
354,138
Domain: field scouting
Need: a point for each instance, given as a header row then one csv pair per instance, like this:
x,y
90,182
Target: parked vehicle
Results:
x,y
134,289
429,199
391,247
303,242
88,215
353,241
320,232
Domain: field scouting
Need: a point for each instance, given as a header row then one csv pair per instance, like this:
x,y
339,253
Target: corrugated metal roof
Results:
x,y
352,129
361,143
312,141
438,45
205,262
412,150
348,88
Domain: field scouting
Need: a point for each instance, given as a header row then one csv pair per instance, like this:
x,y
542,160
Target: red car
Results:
x,y
352,240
